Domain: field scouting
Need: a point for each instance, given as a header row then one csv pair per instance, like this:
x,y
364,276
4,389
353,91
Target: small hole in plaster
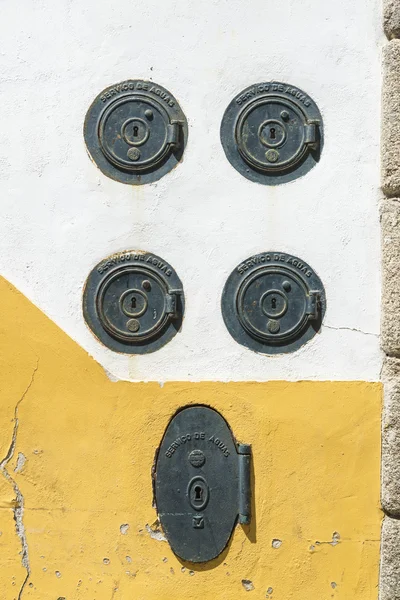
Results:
x,y
335,538
248,585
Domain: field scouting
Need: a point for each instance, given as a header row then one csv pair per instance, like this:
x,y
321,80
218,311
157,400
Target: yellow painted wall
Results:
x,y
89,446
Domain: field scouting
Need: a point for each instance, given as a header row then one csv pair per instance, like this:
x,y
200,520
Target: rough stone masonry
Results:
x,y
390,227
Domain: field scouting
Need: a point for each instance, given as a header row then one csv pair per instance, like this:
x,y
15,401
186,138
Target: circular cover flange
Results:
x,y
133,302
272,133
135,131
273,303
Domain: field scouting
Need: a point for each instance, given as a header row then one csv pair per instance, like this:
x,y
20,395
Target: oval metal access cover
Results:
x,y
201,483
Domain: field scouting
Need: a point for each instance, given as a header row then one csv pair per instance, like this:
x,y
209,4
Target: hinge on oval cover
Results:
x,y
244,506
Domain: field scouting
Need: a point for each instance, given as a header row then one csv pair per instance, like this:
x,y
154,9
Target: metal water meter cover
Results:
x,y
273,303
201,483
135,131
272,133
133,302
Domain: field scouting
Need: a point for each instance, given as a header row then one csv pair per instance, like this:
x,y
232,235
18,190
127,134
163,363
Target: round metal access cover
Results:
x,y
273,303
133,302
272,133
135,131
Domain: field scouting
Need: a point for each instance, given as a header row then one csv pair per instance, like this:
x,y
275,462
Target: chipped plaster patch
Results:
x,y
21,460
155,532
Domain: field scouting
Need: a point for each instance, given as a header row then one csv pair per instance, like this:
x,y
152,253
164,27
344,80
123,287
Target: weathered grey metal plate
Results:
x,y
201,483
133,302
135,131
272,133
273,303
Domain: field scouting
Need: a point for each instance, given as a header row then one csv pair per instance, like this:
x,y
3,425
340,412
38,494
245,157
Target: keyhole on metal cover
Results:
x,y
133,302
273,302
198,493
272,133
135,130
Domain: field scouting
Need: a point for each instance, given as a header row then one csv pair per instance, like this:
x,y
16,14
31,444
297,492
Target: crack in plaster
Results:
x,y
351,329
382,369
334,541
19,499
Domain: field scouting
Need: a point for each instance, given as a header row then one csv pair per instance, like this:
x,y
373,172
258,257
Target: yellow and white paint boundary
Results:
x,y
77,454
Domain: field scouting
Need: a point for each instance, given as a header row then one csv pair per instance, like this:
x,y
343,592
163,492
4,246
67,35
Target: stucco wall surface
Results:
x,y
77,452
60,215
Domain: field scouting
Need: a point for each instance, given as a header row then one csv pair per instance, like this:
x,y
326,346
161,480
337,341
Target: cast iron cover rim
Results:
x,y
157,268
282,262
148,91
258,92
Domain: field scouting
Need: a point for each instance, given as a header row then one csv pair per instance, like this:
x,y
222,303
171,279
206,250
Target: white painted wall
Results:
x,y
60,215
